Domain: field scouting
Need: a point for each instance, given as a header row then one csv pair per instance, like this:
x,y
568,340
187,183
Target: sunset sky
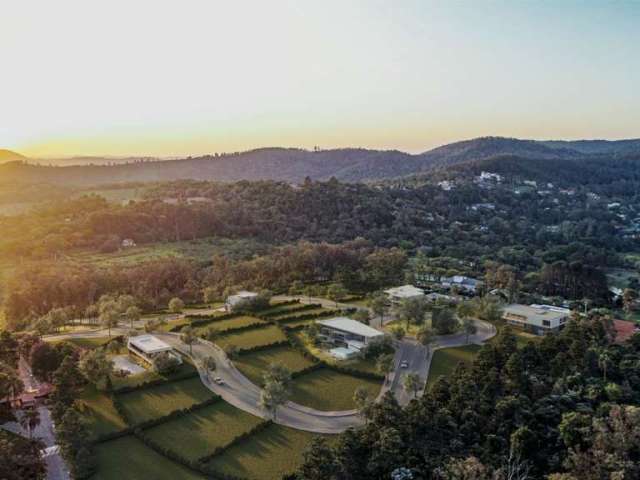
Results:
x,y
190,77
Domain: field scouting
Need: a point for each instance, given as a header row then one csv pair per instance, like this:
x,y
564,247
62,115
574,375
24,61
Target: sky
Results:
x,y
167,78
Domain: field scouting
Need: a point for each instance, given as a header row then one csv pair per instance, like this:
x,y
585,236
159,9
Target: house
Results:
x,y
405,292
441,298
147,347
446,185
461,282
537,319
241,296
347,336
128,243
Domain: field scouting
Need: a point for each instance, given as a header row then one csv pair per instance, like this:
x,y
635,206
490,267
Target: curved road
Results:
x,y
240,392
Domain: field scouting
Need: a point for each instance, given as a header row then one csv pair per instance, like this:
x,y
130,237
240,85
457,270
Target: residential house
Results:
x,y
537,319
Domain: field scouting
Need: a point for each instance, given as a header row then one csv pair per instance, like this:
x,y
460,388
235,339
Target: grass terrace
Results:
x,y
252,338
158,401
445,360
128,458
99,412
201,432
235,322
328,390
150,375
267,455
253,365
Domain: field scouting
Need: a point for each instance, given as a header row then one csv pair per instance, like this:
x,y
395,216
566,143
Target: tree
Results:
x,y
425,336
336,292
209,363
604,360
278,373
74,439
468,327
398,332
21,459
109,314
362,400
176,305
165,363
125,302
133,314
443,321
10,383
44,360
378,303
30,420
57,318
210,295
629,297
319,461
272,395
96,367
189,337
413,311
296,287
361,315
412,383
384,365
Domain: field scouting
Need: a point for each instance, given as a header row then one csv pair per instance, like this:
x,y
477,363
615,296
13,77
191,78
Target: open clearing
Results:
x,y
327,390
252,338
253,365
268,455
128,458
99,412
201,432
158,401
445,360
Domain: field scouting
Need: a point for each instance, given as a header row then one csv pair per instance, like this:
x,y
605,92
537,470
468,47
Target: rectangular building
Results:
x,y
148,347
405,292
537,319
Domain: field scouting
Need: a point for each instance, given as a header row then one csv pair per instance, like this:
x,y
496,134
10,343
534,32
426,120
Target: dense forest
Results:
x,y
564,408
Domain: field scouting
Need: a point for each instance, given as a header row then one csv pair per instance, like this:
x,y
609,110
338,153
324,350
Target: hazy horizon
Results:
x,y
211,77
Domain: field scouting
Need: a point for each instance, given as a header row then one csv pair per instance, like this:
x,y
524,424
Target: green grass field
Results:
x,y
158,401
235,322
128,458
252,338
89,343
328,390
99,412
253,365
150,375
201,432
268,455
445,360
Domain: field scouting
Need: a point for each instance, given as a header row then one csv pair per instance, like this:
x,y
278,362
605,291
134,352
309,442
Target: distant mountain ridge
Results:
x,y
293,164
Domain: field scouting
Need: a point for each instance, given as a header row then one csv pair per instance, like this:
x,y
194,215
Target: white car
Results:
x,y
404,364
219,381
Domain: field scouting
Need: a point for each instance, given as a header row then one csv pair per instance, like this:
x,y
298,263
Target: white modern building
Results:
x,y
241,296
461,282
537,319
405,292
348,336
147,347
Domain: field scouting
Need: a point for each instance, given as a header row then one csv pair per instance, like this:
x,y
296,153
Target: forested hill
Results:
x,y
293,165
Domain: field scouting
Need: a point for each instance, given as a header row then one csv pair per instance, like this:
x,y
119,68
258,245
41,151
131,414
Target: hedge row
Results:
x,y
311,316
156,382
194,466
243,436
259,348
297,344
251,326
301,308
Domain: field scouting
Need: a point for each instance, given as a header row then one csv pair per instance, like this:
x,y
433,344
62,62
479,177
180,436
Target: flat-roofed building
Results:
x,y
347,334
405,292
148,347
238,298
538,319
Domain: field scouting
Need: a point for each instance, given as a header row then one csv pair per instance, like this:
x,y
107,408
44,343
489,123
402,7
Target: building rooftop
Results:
x,y
537,313
149,344
244,294
350,326
405,291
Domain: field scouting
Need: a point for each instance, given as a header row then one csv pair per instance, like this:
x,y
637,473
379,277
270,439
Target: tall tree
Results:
x,y
412,383
188,336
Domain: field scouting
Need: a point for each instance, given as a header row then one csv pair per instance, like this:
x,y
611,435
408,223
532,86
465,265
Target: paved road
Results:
x,y
240,392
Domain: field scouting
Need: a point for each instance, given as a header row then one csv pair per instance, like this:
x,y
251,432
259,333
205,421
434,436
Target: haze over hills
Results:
x,y
293,165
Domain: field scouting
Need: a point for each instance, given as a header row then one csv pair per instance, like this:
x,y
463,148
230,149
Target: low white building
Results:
x,y
461,282
148,347
537,319
405,292
242,296
348,336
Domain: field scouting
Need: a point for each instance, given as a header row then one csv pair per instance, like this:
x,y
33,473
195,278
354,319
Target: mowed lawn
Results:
x,y
327,390
151,375
99,412
253,365
284,316
201,432
445,360
252,338
235,322
154,402
268,455
128,458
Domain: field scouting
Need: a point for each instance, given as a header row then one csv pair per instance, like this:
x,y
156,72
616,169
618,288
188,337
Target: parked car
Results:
x,y
219,381
404,364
